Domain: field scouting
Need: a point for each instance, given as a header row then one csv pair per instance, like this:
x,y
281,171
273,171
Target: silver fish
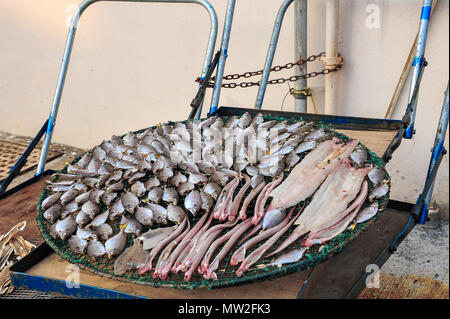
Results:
x,y
101,180
114,178
100,219
50,200
377,175
144,166
116,244
77,244
98,153
193,202
213,190
89,181
165,174
220,178
198,179
108,198
245,120
170,195
154,236
69,209
152,182
129,173
259,118
315,134
130,139
175,213
95,249
132,226
66,227
232,122
256,180
135,177
82,198
359,155
273,218
116,209
155,194
96,195
159,214
367,213
185,188
129,201
104,231
178,179
53,213
116,187
86,234
290,257
94,165
82,219
132,258
379,192
291,160
251,170
144,215
206,167
90,208
305,146
123,164
84,160
138,189
69,195
207,201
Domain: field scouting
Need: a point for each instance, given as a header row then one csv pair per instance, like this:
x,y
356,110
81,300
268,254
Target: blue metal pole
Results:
x,y
68,50
437,149
418,61
271,53
223,56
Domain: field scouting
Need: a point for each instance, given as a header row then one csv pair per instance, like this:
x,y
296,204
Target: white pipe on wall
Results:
x,y
331,52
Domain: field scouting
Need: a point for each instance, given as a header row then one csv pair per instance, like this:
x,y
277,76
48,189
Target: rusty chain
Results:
x,y
278,68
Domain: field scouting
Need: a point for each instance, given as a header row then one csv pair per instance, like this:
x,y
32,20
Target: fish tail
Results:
x,y
293,237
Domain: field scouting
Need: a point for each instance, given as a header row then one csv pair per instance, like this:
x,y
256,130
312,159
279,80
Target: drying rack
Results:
x,y
343,276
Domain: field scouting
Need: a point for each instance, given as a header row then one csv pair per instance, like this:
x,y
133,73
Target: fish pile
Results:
x,y
190,193
13,247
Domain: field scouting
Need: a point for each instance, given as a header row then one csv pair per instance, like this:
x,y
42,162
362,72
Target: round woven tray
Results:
x,y
226,276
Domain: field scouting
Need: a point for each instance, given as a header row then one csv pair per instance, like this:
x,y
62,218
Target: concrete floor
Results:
x,y
425,251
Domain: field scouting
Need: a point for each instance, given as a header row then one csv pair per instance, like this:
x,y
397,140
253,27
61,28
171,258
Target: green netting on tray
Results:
x,y
225,273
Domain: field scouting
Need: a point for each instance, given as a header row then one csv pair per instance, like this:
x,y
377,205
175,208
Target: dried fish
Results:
x,y
77,244
193,202
95,249
175,213
131,259
116,244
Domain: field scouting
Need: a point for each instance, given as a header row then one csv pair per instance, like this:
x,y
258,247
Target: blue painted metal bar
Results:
x,y
50,285
437,151
418,62
223,56
15,170
68,50
271,53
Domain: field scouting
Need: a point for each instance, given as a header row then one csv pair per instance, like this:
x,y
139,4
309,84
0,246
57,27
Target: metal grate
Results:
x,y
22,293
11,152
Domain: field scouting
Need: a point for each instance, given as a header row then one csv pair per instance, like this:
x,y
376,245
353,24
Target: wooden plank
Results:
x,y
285,287
22,206
376,141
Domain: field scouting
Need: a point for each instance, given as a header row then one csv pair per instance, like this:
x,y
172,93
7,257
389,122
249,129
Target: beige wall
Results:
x,y
133,65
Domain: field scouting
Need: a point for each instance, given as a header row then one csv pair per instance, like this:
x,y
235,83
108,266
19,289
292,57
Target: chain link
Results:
x,y
278,68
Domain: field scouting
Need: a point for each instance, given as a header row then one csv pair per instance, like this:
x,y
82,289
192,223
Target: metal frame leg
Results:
x,y
438,151
271,53
223,56
68,49
418,61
